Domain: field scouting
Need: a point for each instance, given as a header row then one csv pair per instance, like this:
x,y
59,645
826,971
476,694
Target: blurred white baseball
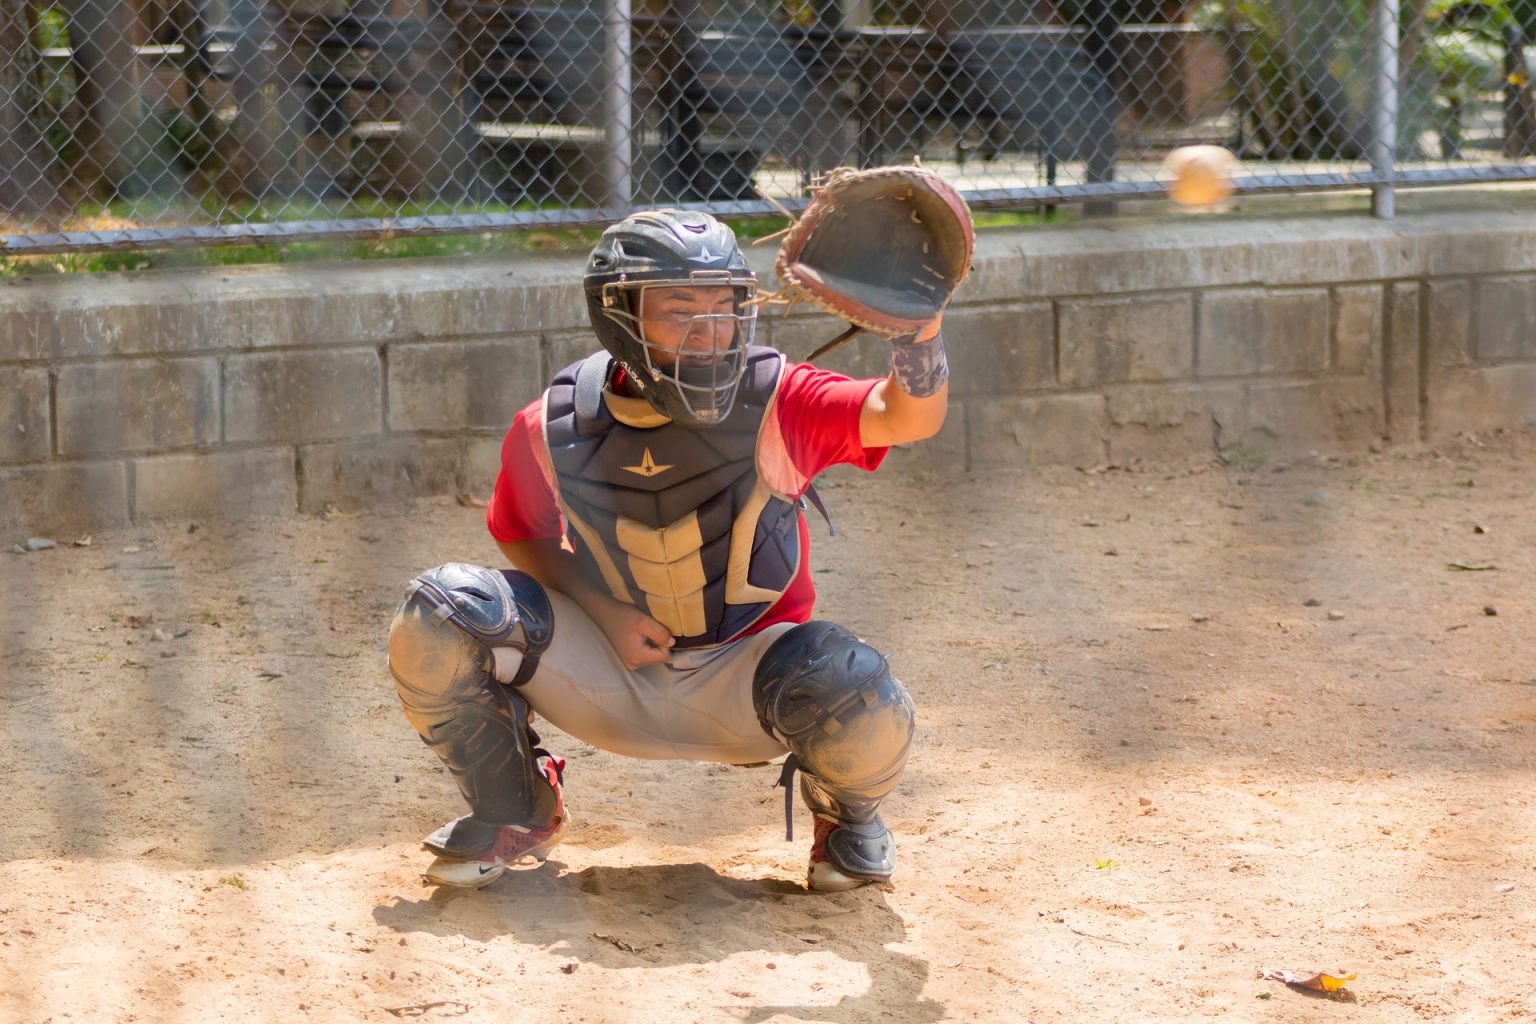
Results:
x,y
1201,174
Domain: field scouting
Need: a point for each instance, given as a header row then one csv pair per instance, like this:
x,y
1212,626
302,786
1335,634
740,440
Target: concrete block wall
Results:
x,y
270,390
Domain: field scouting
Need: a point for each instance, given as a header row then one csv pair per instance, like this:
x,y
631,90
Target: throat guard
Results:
x,y
671,518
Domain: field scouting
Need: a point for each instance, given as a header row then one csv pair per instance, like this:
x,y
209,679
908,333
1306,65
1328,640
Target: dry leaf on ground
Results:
x,y
1321,982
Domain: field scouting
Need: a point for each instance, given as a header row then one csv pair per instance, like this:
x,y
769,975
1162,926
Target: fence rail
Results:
x,y
152,123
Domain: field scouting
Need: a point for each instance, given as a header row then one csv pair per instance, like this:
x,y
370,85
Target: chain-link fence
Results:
x,y
157,122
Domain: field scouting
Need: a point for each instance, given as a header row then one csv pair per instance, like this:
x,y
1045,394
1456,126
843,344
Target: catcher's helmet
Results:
x,y
670,249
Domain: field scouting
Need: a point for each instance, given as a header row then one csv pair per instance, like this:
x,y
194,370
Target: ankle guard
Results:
x,y
464,839
863,850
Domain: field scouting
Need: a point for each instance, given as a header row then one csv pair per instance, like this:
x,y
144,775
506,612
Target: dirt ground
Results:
x,y
1178,723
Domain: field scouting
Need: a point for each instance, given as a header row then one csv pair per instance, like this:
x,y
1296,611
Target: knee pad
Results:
x,y
831,699
506,608
439,654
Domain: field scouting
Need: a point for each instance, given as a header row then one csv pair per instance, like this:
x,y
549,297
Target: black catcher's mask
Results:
x,y
670,297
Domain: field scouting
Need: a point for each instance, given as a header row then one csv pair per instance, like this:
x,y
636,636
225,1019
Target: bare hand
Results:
x,y
637,639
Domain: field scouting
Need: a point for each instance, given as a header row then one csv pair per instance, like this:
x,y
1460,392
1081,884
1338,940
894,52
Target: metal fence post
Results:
x,y
1384,119
618,153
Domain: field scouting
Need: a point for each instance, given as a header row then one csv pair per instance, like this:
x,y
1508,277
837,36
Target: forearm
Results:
x,y
637,639
557,569
911,403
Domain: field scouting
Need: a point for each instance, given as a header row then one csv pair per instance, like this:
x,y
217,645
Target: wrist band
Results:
x,y
920,367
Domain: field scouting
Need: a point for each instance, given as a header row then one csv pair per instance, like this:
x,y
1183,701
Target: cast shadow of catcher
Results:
x,y
668,915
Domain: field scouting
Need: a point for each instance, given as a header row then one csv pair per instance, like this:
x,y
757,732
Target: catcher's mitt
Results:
x,y
884,249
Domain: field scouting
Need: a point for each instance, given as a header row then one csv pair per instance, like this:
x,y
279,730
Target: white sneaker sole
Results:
x,y
464,874
823,877
477,874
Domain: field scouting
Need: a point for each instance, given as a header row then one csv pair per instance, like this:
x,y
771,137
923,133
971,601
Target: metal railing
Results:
x,y
193,122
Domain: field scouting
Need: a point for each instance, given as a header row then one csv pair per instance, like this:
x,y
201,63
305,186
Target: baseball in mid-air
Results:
x,y
1201,174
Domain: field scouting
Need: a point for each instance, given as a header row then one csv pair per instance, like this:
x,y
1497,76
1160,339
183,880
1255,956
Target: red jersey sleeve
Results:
x,y
818,418
522,507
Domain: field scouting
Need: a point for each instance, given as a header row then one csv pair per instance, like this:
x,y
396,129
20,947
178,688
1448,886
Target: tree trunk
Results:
x,y
26,165
1519,116
189,29
1250,86
111,90
682,127
438,142
1330,125
268,150
1105,44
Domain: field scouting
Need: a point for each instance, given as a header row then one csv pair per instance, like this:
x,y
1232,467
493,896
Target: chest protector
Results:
x,y
674,520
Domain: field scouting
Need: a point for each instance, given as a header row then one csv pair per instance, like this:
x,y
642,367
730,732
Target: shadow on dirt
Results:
x,y
666,915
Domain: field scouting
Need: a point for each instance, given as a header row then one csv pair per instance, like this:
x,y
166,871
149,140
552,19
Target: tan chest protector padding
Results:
x,y
673,519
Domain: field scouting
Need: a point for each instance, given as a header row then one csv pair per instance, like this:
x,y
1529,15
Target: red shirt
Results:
x,y
816,413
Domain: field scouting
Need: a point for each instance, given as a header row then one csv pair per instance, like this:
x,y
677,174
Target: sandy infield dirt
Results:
x,y
1178,723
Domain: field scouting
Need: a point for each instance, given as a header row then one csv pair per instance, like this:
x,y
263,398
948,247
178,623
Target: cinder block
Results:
x,y
482,464
234,319
1299,415
138,405
24,414
430,299
1357,336
563,348
456,385
1254,331
1503,318
944,453
1402,366
259,481
863,357
558,298
368,474
1156,421
361,317
24,332
100,329
1450,323
1118,340
64,498
299,397
442,310
1000,351
527,295
1025,432
1490,241
997,271
1168,254
1482,398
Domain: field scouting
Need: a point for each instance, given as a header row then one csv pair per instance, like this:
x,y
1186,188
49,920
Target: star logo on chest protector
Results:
x,y
647,466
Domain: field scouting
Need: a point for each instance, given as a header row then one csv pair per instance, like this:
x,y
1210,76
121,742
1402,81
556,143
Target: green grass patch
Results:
x,y
152,212
1244,456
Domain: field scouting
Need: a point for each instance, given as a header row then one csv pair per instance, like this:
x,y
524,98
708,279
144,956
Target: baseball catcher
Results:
x,y
659,600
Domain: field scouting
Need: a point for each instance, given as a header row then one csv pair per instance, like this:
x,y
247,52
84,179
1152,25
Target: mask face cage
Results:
x,y
691,361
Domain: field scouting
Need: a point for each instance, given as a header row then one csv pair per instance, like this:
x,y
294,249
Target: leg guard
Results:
x,y
439,654
831,699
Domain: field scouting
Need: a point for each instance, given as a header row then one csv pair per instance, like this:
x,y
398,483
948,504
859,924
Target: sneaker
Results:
x,y
822,875
512,843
